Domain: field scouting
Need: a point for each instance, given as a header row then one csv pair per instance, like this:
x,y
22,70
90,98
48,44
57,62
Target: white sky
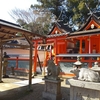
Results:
x,y
7,5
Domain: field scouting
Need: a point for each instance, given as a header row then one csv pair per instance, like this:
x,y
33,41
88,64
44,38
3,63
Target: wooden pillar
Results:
x,y
43,71
44,63
89,45
30,61
45,58
30,67
99,49
16,62
80,49
1,65
90,63
66,43
35,58
51,52
55,50
99,45
45,55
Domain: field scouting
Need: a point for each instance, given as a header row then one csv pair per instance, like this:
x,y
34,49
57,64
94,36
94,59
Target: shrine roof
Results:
x,y
57,35
84,33
62,27
52,36
94,16
9,30
64,30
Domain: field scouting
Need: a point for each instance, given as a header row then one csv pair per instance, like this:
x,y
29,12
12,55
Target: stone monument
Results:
x,y
52,90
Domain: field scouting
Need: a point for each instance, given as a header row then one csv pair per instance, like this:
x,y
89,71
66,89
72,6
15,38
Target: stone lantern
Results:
x,y
5,64
78,63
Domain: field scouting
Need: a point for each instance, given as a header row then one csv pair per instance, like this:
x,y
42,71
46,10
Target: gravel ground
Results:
x,y
36,94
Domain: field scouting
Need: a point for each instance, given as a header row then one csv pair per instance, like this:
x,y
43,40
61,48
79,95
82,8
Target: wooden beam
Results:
x,y
30,68
1,63
30,61
21,30
28,40
72,41
14,38
46,44
8,33
13,44
12,28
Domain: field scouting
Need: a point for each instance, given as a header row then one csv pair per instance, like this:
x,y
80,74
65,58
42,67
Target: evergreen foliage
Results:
x,y
80,10
72,12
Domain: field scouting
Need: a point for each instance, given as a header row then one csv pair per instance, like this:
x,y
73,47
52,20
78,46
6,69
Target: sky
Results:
x,y
7,5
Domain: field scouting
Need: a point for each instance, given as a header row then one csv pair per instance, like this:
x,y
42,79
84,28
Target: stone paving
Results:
x,y
36,94
39,88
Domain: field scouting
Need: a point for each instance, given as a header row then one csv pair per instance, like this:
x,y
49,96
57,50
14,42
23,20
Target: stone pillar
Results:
x,y
12,70
52,90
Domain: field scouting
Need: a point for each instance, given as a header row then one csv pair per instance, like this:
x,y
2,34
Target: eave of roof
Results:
x,y
91,17
52,36
57,35
84,33
63,28
9,23
9,30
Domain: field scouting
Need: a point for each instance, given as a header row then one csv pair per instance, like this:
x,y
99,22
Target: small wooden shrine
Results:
x,y
10,32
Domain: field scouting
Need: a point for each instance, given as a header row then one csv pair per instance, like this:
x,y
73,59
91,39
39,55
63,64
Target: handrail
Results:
x,y
81,55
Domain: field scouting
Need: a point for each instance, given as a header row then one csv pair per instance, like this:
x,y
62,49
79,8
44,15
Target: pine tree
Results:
x,y
80,10
72,12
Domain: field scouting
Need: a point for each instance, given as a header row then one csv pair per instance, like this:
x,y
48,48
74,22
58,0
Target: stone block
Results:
x,y
52,90
50,96
82,90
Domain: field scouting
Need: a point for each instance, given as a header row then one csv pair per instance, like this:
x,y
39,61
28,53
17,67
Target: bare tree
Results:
x,y
38,22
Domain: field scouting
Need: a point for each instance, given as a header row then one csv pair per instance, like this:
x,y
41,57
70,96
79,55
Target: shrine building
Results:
x,y
65,45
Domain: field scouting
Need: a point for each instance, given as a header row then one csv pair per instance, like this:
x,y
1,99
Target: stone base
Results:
x,y
52,90
82,90
49,96
5,76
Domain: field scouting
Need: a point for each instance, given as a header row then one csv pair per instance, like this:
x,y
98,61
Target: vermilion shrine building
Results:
x,y
67,45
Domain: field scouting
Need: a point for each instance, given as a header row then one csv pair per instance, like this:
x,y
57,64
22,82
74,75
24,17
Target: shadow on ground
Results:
x,y
22,93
